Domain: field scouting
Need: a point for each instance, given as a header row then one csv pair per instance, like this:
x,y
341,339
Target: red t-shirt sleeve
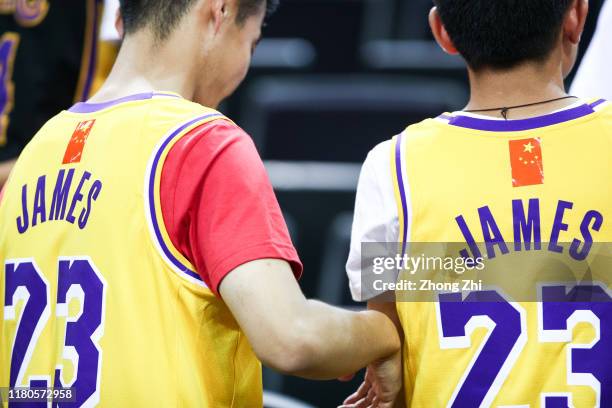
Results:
x,y
218,204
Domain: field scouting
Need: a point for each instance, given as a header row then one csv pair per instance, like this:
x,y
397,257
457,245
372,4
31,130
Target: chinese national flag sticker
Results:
x,y
74,151
526,162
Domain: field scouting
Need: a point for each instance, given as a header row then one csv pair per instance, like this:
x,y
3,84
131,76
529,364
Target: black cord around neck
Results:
x,y
505,110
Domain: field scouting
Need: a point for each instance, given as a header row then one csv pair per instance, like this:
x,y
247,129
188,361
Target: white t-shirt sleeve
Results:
x,y
376,217
107,28
594,77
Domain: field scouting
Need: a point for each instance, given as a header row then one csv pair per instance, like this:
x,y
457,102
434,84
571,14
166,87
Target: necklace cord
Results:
x,y
505,109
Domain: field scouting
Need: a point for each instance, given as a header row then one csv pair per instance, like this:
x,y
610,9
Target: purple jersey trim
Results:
x,y
518,125
597,103
151,197
402,190
85,107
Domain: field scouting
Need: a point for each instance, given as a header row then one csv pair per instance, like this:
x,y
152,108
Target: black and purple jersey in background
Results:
x,y
48,54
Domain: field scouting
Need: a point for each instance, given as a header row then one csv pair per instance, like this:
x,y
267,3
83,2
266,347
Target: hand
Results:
x,y
381,385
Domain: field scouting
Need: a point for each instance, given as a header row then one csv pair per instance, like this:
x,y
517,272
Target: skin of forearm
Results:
x,y
342,342
303,337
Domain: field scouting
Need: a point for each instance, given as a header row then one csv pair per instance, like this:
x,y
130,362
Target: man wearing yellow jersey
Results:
x,y
145,261
520,179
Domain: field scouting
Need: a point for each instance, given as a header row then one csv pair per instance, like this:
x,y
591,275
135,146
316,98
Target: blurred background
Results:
x,y
329,81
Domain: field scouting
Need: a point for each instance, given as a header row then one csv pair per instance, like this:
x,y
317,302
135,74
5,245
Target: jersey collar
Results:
x,y
496,125
86,107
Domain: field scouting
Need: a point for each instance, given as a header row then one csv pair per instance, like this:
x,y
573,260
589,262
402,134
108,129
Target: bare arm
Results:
x,y
298,336
390,310
382,386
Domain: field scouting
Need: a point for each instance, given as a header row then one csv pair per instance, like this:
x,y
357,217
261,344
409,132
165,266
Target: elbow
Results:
x,y
293,362
291,353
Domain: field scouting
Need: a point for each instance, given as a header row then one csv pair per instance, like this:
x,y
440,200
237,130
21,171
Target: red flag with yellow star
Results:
x,y
526,162
77,142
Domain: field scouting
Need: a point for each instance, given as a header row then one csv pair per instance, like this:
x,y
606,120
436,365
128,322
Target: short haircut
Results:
x,y
502,34
162,16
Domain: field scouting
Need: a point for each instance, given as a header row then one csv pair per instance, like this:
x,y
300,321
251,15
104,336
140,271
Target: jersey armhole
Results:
x,y
401,190
152,197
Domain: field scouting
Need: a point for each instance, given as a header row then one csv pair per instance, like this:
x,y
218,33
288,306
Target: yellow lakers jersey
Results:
x,y
537,194
95,298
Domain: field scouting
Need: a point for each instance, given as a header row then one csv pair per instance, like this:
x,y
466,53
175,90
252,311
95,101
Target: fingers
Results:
x,y
366,402
361,392
358,395
370,397
379,388
386,377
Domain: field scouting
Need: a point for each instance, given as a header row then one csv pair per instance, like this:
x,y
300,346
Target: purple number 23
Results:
x,y
77,278
560,311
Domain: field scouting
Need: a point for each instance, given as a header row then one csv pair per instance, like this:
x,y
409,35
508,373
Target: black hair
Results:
x,y
502,34
162,16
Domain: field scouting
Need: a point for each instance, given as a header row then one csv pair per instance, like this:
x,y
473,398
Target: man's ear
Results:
x,y
219,13
119,23
440,34
573,26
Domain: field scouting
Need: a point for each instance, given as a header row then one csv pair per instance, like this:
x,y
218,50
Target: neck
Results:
x,y
142,67
526,84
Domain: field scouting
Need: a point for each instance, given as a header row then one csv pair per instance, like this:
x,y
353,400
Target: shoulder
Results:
x,y
193,126
210,138
381,153
385,152
604,106
376,178
201,140
179,114
604,110
216,149
378,165
383,156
